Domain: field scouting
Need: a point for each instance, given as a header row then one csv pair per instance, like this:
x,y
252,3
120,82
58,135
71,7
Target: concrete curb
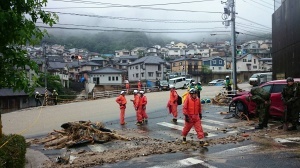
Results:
x,y
35,159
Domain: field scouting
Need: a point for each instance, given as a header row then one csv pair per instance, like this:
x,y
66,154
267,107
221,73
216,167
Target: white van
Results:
x,y
178,82
260,78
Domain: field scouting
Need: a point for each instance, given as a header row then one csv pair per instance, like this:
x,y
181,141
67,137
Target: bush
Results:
x,y
12,154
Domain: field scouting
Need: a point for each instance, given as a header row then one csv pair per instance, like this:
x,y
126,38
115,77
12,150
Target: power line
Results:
x,y
261,4
251,35
131,6
266,2
253,32
253,26
136,19
256,6
136,29
255,29
72,28
253,22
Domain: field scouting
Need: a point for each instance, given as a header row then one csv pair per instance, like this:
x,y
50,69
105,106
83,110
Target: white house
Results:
x,y
180,45
123,52
138,51
146,68
175,52
247,62
106,76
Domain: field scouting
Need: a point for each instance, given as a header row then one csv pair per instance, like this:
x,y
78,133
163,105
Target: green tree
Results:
x,y
17,29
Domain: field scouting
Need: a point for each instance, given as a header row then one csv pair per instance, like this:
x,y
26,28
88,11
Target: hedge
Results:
x,y
12,154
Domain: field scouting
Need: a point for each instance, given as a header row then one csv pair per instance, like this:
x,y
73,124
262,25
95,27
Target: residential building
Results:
x,y
247,62
265,64
146,68
180,45
99,60
139,51
152,51
60,69
175,52
184,66
106,76
122,52
216,64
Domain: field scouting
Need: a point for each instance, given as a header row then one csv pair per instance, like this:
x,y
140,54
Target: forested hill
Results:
x,y
106,42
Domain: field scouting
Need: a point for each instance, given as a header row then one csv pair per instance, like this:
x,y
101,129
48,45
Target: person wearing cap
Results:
x,y
142,108
121,100
193,116
172,103
139,85
136,101
55,96
37,98
192,85
290,96
228,84
198,87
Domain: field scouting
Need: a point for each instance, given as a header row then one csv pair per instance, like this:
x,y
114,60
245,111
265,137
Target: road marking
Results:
x,y
288,140
203,126
214,121
185,163
178,127
236,151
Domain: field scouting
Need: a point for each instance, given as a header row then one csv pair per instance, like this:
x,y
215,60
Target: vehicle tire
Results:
x,y
238,109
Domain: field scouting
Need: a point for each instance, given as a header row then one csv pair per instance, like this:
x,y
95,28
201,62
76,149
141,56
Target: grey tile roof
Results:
x,y
97,59
107,70
57,65
9,92
149,60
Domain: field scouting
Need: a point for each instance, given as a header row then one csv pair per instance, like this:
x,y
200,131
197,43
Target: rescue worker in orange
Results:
x,y
172,103
193,116
142,107
127,86
136,102
121,100
139,85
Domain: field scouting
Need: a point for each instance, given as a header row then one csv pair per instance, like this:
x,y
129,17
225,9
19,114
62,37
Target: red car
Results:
x,y
240,104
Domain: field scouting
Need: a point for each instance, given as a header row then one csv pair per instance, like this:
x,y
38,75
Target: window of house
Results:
x,y
150,74
220,61
142,74
180,63
117,78
113,78
174,64
109,78
132,75
214,61
137,75
249,60
130,68
136,67
244,60
213,68
220,68
254,67
159,68
254,61
158,74
176,51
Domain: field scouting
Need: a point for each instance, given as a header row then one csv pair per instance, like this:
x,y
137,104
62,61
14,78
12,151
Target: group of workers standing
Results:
x,y
38,96
191,109
290,96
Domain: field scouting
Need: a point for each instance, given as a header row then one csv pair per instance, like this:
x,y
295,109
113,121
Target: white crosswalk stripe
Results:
x,y
185,163
209,125
178,127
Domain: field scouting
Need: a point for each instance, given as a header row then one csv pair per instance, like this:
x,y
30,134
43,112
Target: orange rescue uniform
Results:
x,y
172,104
136,103
142,108
192,109
121,100
139,85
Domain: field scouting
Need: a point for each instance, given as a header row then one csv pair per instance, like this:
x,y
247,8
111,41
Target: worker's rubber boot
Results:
x,y
260,126
202,143
174,120
184,140
138,123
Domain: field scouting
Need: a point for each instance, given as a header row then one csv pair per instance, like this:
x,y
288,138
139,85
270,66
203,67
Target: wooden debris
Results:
x,y
79,133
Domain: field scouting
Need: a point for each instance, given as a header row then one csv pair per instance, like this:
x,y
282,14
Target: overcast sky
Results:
x,y
202,17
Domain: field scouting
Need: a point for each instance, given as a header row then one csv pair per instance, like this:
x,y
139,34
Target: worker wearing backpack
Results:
x,y
172,103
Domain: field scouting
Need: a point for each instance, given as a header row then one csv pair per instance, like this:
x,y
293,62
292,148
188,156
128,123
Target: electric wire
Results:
x,y
252,22
262,4
135,19
255,29
266,2
141,7
131,31
238,23
126,28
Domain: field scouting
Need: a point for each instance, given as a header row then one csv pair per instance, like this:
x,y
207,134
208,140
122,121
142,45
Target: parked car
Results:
x,y
216,82
260,78
164,85
239,104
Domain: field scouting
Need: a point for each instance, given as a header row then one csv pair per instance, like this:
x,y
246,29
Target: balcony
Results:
x,y
63,76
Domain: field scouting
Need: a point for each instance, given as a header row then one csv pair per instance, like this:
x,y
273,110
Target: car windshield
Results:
x,y
164,82
254,76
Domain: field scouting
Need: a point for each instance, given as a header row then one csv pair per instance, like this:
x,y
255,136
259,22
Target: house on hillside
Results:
x,y
60,69
152,51
180,45
139,51
216,64
185,66
123,52
99,60
106,76
247,62
146,68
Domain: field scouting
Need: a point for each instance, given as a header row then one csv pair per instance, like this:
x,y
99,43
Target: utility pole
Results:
x,y
233,44
46,67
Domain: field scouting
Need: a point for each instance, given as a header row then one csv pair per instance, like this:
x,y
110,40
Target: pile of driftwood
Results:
x,y
77,134
221,99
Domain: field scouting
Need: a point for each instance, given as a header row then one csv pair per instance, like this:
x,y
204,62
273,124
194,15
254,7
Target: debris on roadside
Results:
x,y
221,100
77,134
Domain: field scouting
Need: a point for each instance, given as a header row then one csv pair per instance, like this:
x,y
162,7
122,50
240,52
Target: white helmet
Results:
x,y
227,76
37,92
172,86
122,92
135,91
54,90
142,92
